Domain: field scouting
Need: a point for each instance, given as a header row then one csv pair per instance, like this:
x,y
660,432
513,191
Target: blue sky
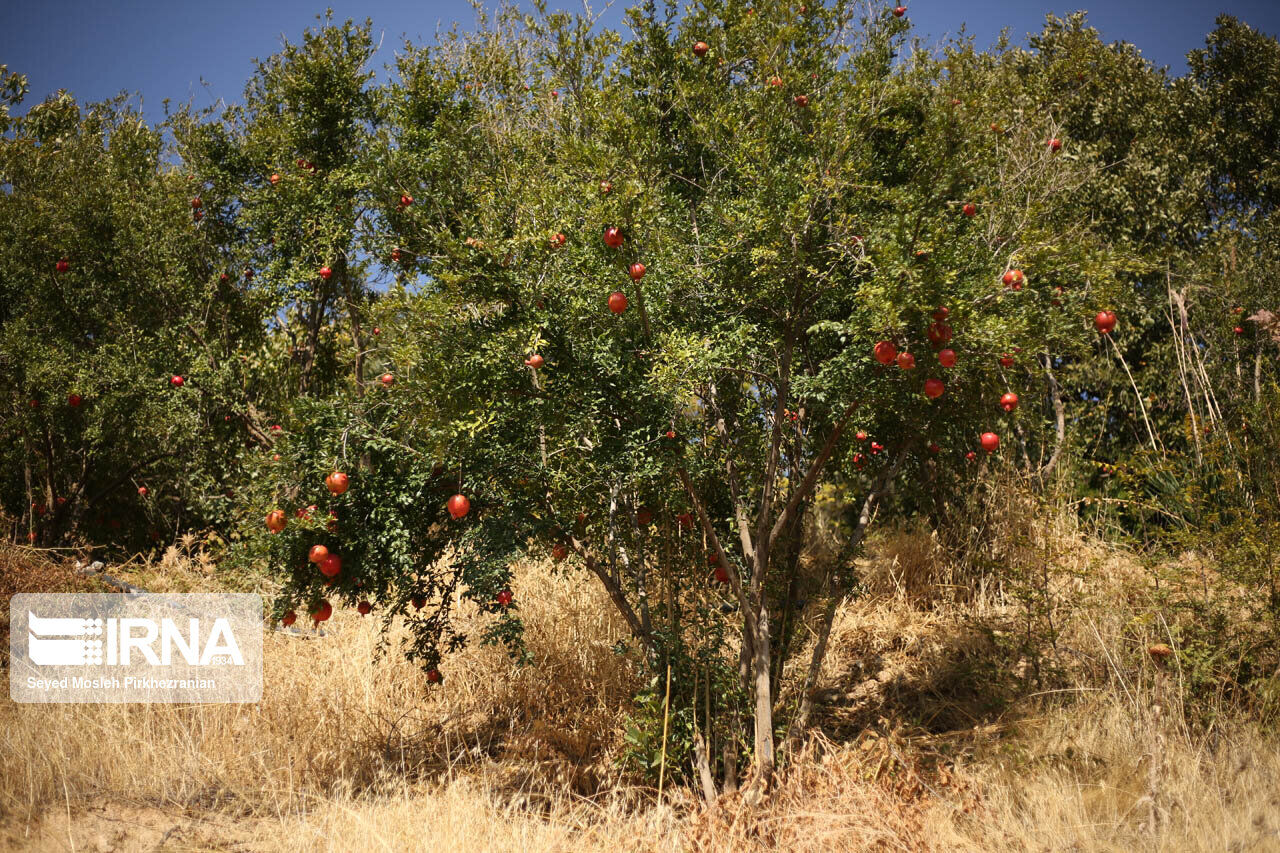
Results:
x,y
181,50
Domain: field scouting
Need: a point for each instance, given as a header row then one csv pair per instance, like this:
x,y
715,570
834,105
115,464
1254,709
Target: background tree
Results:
x,y
119,334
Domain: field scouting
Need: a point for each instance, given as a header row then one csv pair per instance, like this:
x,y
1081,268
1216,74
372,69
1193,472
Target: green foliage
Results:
x,y
87,352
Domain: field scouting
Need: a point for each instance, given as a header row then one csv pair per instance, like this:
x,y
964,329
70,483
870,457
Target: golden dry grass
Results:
x,y
349,749
338,718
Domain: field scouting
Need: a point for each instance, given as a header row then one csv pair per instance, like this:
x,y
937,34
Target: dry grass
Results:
x,y
932,739
339,719
1108,774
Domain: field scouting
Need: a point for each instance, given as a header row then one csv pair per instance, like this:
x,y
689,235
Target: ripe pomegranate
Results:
x,y
939,333
535,361
177,381
947,357
405,200
276,520
613,237
801,100
906,360
618,302
504,597
775,82
1009,401
721,575
363,608
74,400
559,551
1105,322
558,239
636,271
899,11
971,456
970,209
386,379
860,435
142,490
1055,145
989,441
941,313
395,254
317,554
337,482
322,612
885,352
196,202
934,448
62,265
1006,360
325,272
418,601
434,676
606,187
933,388
700,48
1239,330
331,565
459,506
275,179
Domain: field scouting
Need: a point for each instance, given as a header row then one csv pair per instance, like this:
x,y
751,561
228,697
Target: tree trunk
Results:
x,y
762,666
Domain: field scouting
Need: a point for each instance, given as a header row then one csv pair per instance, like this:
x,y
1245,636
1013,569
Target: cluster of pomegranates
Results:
x,y
329,563
939,333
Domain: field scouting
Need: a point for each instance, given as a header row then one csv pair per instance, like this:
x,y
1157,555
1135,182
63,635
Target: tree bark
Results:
x,y
765,760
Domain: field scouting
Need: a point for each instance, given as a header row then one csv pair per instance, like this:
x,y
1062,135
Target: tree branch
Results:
x,y
815,470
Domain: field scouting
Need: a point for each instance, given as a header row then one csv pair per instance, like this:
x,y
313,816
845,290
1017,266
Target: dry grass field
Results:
x,y
350,750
